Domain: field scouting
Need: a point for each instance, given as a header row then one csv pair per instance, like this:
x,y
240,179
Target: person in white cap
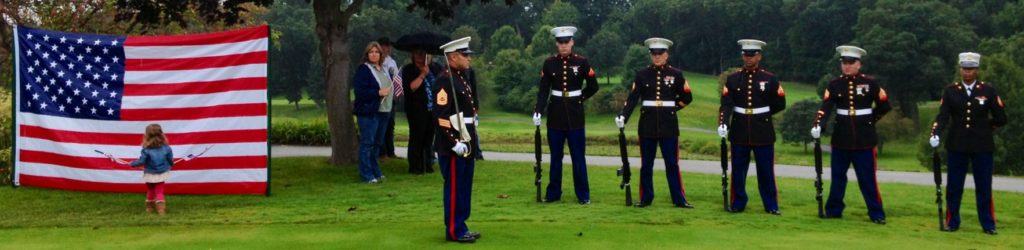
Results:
x,y
749,99
455,112
662,91
859,102
972,110
566,80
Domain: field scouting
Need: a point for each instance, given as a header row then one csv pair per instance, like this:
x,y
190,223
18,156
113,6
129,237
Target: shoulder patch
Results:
x,y
781,91
999,100
725,91
633,89
442,97
826,95
591,73
882,96
444,123
686,86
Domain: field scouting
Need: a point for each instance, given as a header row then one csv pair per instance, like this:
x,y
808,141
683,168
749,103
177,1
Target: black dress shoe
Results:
x,y
879,221
684,205
991,231
585,202
833,216
950,229
476,235
551,201
465,239
642,205
774,212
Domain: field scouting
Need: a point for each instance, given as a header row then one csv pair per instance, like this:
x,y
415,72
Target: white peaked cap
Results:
x,y
461,44
970,60
658,43
563,31
851,51
751,44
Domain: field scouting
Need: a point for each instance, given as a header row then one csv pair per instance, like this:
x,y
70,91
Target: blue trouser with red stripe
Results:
x,y
577,150
458,190
864,166
670,152
765,157
981,164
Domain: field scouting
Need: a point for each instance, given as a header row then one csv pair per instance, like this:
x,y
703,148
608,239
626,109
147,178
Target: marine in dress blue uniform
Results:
x,y
456,132
858,102
749,99
661,90
566,80
970,110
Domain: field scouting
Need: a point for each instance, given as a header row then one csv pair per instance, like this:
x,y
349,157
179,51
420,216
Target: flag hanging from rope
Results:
x,y
80,93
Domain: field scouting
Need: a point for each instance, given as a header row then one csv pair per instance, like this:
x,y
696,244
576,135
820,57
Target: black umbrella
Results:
x,y
426,41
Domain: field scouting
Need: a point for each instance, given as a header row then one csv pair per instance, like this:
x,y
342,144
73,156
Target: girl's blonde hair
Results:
x,y
154,137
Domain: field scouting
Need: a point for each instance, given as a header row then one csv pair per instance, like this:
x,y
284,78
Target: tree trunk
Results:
x,y
332,30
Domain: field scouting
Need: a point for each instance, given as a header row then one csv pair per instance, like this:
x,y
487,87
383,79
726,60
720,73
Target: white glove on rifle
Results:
x,y
723,130
934,141
816,132
536,119
620,121
460,148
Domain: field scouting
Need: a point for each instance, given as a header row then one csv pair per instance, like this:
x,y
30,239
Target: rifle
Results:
x,y
536,166
624,171
937,170
817,179
725,175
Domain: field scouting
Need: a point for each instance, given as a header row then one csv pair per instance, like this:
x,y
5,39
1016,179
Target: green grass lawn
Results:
x,y
323,207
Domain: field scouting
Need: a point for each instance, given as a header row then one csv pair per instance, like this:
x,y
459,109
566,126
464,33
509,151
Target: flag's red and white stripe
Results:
x,y
204,90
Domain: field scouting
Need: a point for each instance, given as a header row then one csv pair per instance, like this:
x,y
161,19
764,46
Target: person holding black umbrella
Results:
x,y
422,75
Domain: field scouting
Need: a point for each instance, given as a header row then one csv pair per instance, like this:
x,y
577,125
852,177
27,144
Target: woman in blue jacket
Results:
x,y
372,110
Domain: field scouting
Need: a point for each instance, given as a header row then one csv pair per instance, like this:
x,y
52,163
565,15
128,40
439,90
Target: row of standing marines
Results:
x,y
970,111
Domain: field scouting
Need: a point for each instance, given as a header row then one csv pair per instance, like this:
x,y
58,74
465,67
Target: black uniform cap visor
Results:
x,y
658,51
848,58
563,39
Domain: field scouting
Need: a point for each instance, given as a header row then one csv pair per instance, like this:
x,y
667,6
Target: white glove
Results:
x,y
477,121
536,119
460,148
934,141
816,132
620,121
723,130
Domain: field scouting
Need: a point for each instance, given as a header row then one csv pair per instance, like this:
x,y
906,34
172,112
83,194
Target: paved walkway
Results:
x,y
707,167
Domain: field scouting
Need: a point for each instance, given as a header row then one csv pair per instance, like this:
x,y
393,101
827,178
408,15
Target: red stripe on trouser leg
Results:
x,y
451,202
775,183
992,208
641,172
680,173
732,184
874,159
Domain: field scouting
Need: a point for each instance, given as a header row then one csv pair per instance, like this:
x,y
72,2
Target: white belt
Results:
x,y
659,103
469,120
751,111
573,93
855,112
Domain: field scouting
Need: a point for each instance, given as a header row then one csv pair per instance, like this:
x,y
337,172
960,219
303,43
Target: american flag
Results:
x,y
77,93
